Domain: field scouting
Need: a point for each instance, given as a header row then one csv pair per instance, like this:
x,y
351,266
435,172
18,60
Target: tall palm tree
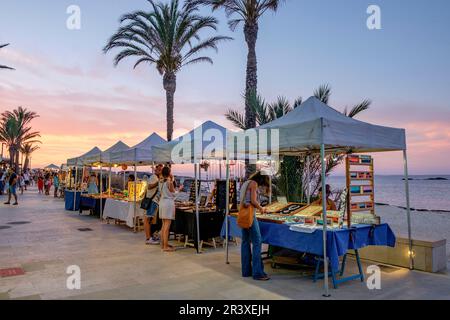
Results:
x,y
2,66
247,12
15,130
27,149
168,37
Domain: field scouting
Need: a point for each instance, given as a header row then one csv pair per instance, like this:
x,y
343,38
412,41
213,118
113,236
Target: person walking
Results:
x,y
251,247
153,194
40,183
12,182
56,184
2,181
167,208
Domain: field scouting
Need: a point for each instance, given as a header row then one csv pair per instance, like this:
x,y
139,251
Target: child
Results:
x,y
40,185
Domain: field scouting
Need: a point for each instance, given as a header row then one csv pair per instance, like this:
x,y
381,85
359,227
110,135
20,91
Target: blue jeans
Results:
x,y
252,265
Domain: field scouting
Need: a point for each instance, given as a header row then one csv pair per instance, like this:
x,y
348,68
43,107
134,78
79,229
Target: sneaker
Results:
x,y
7,203
15,204
154,241
147,242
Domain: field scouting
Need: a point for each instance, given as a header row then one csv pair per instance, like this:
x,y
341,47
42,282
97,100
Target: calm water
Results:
x,y
424,194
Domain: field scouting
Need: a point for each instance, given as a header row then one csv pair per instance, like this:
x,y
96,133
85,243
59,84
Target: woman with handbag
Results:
x,y
150,204
252,265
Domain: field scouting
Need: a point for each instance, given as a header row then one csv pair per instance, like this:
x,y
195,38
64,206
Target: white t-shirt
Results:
x,y
152,191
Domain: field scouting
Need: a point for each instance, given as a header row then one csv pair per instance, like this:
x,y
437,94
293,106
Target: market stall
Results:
x,y
125,207
315,128
74,186
206,142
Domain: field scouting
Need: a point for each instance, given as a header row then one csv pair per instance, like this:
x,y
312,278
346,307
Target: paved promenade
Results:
x,y
43,239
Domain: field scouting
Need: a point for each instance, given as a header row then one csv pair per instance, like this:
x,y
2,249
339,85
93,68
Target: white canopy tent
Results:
x,y
80,160
104,158
52,167
140,154
314,127
206,142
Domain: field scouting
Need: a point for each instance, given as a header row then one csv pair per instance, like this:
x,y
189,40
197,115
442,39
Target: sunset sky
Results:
x,y
83,101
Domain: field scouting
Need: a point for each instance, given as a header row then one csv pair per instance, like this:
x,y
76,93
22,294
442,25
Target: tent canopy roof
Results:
x,y
312,123
79,160
140,154
52,167
207,141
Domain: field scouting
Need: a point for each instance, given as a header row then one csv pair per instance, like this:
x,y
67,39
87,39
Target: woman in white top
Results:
x,y
167,208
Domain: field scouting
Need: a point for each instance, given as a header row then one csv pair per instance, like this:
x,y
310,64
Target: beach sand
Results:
x,y
425,225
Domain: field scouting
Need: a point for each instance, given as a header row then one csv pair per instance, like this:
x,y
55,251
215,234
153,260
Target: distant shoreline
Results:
x,y
412,209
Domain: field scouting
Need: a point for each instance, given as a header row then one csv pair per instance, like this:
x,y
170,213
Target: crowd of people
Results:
x,y
13,183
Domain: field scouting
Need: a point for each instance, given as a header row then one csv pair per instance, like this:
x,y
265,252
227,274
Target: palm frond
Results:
x,y
357,109
323,93
237,118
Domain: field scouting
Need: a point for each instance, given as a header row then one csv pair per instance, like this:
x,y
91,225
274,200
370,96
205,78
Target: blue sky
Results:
x,y
403,68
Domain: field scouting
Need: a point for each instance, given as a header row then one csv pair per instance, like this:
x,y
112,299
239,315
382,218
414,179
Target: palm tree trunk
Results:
x,y
251,83
170,85
27,162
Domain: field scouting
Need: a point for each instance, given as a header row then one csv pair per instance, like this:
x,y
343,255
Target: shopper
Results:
x,y
152,211
26,178
40,183
93,184
56,184
2,181
252,265
47,184
167,208
12,182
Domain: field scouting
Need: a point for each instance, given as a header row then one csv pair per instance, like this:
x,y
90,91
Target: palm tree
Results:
x,y
15,131
168,37
2,66
247,12
27,149
295,166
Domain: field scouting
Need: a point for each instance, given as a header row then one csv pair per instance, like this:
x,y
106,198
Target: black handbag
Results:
x,y
146,202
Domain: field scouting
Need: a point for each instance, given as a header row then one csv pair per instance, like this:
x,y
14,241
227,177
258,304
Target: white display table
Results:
x,y
122,210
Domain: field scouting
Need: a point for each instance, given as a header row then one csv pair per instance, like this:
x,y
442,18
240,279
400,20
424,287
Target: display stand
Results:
x,y
360,185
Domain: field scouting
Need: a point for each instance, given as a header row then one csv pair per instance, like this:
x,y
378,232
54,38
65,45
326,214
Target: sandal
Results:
x,y
266,278
169,250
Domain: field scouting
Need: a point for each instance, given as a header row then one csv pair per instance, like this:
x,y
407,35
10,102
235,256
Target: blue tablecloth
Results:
x,y
338,241
68,197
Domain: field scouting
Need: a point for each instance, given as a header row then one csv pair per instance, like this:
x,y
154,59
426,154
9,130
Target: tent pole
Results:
x,y
308,180
227,211
135,189
109,181
408,210
197,217
101,191
75,186
324,218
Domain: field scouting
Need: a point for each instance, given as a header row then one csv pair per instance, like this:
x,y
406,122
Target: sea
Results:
x,y
426,192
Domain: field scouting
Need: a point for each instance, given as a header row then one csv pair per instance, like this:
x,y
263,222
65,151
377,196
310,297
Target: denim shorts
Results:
x,y
12,189
151,212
